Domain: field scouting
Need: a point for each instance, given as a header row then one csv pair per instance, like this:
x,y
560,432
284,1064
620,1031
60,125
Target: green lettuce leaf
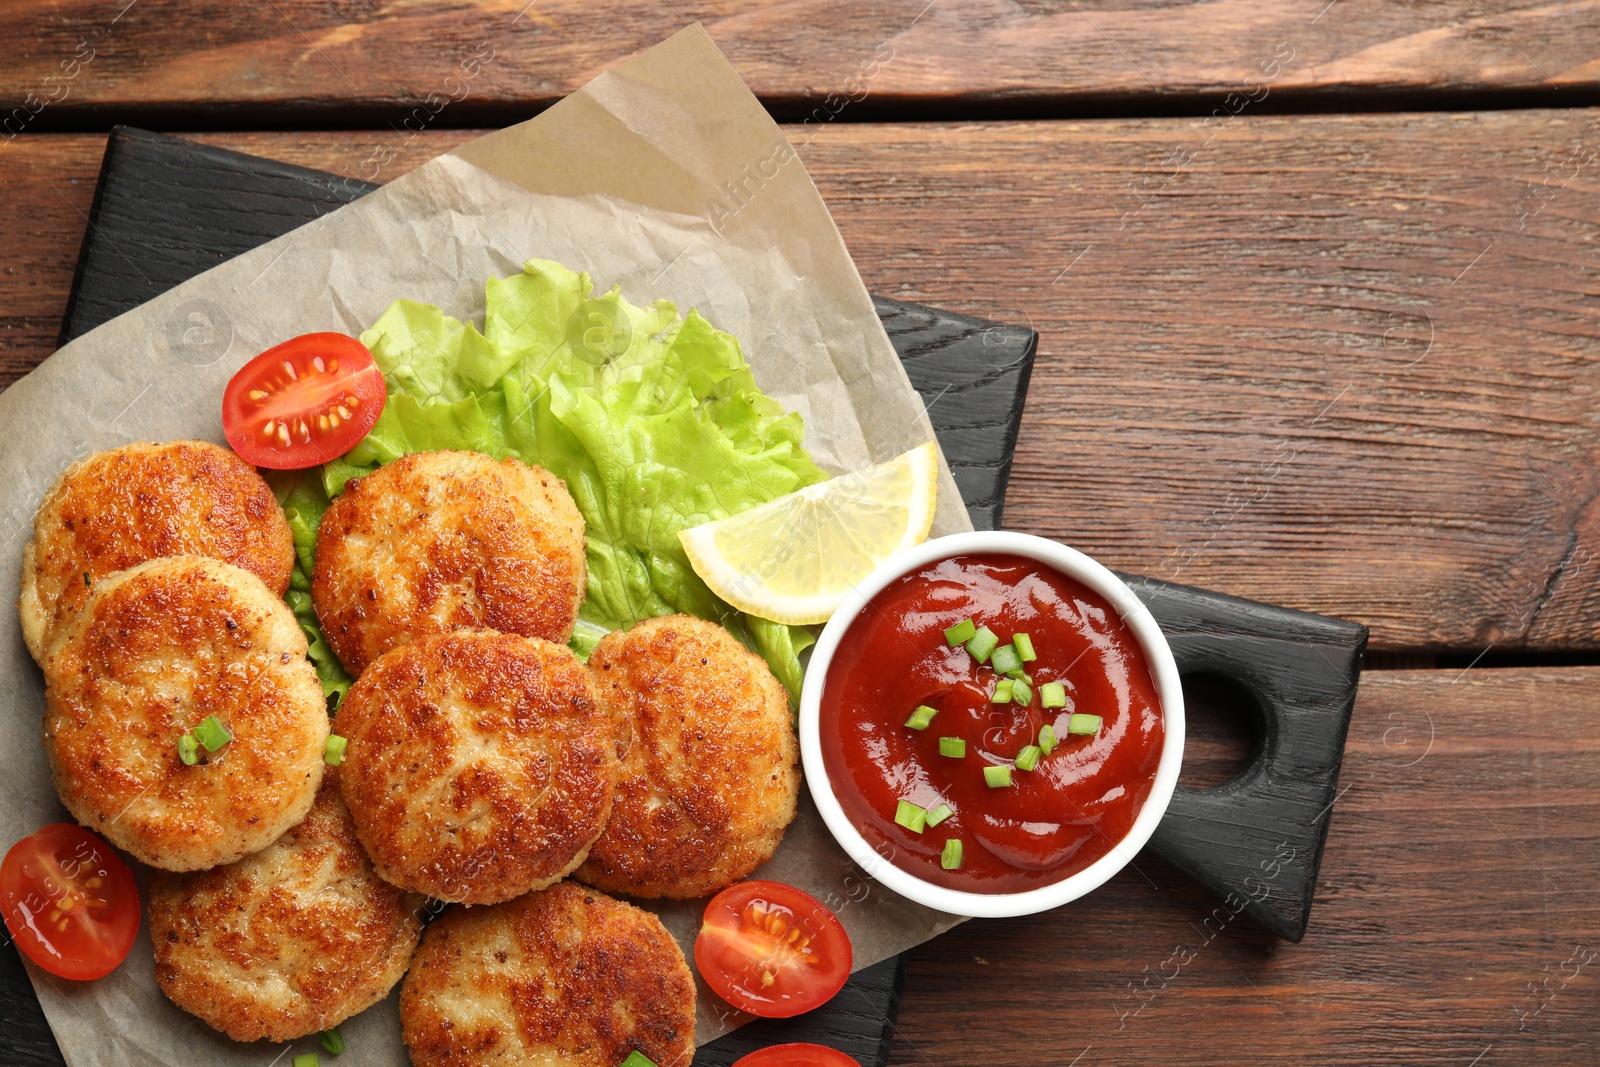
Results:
x,y
653,420
303,502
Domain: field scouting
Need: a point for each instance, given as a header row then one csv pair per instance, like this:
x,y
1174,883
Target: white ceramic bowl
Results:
x,y
1074,564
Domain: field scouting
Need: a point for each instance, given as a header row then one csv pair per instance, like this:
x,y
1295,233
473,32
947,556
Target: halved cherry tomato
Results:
x,y
69,901
303,402
771,949
799,1054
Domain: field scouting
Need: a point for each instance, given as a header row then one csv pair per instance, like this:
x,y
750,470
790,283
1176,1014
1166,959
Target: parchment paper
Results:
x,y
663,175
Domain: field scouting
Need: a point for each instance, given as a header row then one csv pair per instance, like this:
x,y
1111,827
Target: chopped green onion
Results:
x,y
998,777
308,1059
637,1059
921,717
332,1040
960,633
954,747
1028,758
1024,645
1002,692
1005,659
1083,724
1053,695
188,750
982,643
212,733
88,582
910,816
940,814
1047,739
1020,675
950,858
1022,693
333,755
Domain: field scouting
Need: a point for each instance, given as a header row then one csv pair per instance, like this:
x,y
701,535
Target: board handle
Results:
x,y
1256,840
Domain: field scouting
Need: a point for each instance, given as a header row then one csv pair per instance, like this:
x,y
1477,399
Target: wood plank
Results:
x,y
81,64
1455,917
49,187
1342,363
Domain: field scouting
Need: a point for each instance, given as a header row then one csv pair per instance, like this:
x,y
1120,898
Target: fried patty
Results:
x,y
294,939
159,648
708,777
437,541
479,764
142,502
563,976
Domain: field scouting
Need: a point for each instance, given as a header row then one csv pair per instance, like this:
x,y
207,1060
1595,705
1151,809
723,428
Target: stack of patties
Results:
x,y
482,762
484,767
184,723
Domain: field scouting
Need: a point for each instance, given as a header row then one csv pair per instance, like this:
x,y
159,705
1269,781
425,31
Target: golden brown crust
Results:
x,y
142,502
157,649
294,939
479,764
709,777
566,975
437,541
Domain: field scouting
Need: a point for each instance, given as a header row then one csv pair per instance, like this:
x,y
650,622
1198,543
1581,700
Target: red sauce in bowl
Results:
x,y
1053,821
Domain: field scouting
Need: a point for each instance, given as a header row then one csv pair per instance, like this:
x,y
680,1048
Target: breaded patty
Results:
x,y
438,541
292,940
141,502
158,649
563,976
479,764
708,777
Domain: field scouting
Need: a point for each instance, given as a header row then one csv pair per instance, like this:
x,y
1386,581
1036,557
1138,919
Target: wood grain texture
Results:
x,y
1453,920
966,369
1346,364
25,1039
463,62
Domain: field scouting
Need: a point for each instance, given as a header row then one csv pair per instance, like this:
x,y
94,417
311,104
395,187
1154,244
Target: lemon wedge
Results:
x,y
793,559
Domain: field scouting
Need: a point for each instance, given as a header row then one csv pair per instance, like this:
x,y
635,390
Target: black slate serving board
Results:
x,y
166,210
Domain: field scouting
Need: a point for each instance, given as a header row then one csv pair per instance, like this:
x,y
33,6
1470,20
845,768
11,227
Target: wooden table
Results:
x,y
1318,290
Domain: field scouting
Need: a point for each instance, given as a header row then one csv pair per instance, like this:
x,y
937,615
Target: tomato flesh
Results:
x,y
304,402
798,1054
69,901
771,949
